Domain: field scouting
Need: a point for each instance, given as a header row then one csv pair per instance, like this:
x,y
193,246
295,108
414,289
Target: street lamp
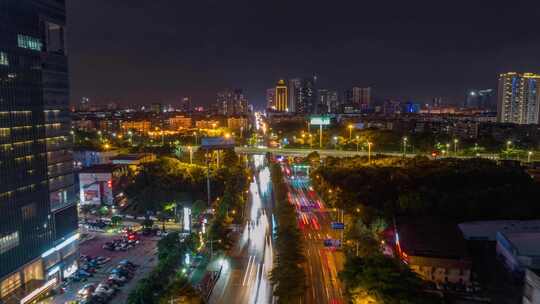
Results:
x,y
310,141
369,144
190,148
508,146
455,145
448,148
404,145
529,154
357,143
335,142
350,131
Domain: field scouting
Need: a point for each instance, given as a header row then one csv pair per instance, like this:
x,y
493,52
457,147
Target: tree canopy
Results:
x,y
458,189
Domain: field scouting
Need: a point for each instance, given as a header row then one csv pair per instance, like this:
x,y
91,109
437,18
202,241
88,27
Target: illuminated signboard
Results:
x,y
320,120
187,219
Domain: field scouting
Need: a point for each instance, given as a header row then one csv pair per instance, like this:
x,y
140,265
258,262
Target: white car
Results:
x,y
117,278
104,290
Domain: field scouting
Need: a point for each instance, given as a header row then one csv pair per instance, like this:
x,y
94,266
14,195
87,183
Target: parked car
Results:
x,y
102,260
118,278
104,289
86,290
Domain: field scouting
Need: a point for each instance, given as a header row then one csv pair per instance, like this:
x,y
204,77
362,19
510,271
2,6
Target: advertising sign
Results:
x,y
338,226
320,120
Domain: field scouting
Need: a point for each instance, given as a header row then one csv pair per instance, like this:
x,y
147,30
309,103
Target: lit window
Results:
x,y
9,241
4,59
31,43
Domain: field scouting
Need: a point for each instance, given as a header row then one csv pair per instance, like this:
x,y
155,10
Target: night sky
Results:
x,y
143,51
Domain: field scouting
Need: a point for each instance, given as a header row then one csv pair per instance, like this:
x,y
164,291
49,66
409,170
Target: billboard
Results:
x,y
320,120
217,143
96,188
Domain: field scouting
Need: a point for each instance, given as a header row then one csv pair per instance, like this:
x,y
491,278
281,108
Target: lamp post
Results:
x,y
195,136
404,146
335,142
310,141
455,145
357,143
529,154
350,132
448,148
190,148
508,146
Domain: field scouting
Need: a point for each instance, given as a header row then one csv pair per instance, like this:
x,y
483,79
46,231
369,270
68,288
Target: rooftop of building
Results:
x,y
525,243
488,229
134,156
101,168
431,238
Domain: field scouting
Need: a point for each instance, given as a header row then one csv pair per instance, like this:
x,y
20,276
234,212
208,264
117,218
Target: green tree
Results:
x,y
384,279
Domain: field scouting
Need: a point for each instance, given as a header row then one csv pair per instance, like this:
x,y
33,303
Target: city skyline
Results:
x,y
428,51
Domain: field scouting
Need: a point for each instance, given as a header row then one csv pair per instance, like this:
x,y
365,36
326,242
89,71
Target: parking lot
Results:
x,y
143,254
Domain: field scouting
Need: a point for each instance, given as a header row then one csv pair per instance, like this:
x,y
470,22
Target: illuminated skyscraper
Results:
x,y
518,98
281,97
38,213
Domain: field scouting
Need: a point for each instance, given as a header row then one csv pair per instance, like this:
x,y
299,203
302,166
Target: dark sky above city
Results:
x,y
144,51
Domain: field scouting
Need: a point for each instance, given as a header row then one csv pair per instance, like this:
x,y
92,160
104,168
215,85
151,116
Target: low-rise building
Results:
x,y
487,230
133,159
519,250
103,185
237,123
88,158
531,289
207,124
180,122
141,126
436,251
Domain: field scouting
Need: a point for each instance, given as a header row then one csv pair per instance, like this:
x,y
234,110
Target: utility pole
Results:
x,y
320,136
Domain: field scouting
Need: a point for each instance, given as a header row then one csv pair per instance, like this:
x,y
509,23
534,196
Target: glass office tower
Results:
x,y
38,214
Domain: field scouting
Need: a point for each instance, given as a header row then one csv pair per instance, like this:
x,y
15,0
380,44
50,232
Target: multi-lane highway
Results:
x,y
245,272
322,263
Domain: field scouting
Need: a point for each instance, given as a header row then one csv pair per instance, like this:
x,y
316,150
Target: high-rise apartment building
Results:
x,y
270,98
38,213
359,98
281,97
327,101
295,86
518,98
185,104
307,99
232,102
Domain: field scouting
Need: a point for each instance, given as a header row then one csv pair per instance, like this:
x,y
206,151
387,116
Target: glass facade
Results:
x,y
37,201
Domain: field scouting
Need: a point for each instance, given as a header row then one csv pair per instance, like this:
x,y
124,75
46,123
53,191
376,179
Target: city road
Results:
x,y
322,264
245,272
